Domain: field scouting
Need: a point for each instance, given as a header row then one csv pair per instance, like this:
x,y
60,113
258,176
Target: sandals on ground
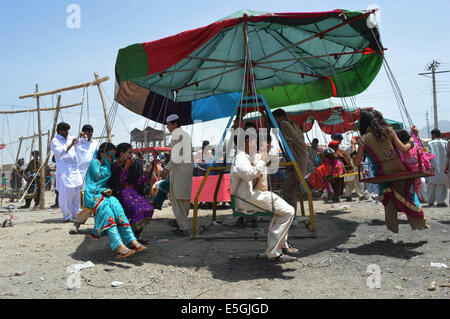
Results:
x,y
283,258
138,248
291,251
124,253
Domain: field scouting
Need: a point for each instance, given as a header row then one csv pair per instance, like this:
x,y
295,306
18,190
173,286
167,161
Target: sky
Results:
x,y
39,47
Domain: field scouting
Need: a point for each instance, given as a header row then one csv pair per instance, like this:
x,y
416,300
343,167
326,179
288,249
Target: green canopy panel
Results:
x,y
289,58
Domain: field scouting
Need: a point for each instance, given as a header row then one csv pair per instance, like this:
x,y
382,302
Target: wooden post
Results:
x,y
32,145
41,180
105,111
55,122
18,151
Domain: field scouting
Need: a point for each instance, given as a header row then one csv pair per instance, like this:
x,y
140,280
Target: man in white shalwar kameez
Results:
x,y
68,177
436,188
180,169
85,149
243,174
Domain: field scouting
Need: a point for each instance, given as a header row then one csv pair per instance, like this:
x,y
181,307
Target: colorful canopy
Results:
x,y
330,117
295,58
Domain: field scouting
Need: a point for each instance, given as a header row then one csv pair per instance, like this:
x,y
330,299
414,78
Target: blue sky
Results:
x,y
39,48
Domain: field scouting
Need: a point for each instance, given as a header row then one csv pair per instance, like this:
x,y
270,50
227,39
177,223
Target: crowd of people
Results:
x,y
119,187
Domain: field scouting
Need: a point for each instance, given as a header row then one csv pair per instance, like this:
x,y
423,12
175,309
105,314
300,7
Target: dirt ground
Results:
x,y
37,251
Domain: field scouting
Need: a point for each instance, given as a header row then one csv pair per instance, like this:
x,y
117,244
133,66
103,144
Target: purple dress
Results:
x,y
137,208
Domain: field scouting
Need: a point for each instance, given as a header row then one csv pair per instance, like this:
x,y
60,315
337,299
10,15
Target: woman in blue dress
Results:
x,y
110,218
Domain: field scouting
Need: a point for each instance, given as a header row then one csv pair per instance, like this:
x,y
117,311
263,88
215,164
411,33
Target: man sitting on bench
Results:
x,y
243,173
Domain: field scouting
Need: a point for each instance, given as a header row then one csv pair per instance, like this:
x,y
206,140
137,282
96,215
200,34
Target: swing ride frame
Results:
x,y
225,168
97,82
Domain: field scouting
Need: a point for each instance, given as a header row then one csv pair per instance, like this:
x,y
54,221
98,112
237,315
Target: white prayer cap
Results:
x,y
172,117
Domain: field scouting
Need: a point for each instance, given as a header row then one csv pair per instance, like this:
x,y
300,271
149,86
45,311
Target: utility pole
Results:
x,y
432,67
428,124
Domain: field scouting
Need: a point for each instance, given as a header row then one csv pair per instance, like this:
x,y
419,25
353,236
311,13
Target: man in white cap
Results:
x,y
180,173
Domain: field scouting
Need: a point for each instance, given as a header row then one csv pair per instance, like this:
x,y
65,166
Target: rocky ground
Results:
x,y
38,251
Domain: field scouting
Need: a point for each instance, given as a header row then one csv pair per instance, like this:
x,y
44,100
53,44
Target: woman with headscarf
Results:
x,y
109,215
128,182
380,144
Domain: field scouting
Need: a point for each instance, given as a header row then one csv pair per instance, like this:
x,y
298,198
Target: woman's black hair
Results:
x,y
122,148
371,118
135,171
403,135
104,148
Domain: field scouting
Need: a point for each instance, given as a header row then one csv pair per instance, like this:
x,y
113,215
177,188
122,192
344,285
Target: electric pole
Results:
x,y
432,67
428,124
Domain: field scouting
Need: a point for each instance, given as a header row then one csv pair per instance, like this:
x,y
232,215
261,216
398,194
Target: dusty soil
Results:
x,y
37,250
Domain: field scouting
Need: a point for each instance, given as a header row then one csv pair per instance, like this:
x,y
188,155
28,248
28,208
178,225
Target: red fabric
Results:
x,y
330,167
338,128
207,194
334,144
164,53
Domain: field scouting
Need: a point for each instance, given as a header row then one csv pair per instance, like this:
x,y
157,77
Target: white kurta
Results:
x,y
241,182
436,190
437,147
180,169
68,177
85,151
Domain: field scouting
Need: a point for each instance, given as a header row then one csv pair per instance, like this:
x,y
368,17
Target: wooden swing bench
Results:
x,y
84,214
421,172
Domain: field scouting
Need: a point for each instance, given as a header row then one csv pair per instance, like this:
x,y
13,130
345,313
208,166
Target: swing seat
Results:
x,y
84,214
239,212
395,177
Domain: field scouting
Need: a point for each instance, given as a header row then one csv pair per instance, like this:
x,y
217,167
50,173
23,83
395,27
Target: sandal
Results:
x,y
291,251
283,258
124,253
138,248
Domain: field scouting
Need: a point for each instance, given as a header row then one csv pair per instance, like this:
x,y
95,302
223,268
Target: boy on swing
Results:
x,y
243,175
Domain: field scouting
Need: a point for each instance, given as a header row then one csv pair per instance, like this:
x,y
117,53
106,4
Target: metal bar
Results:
x,y
195,216
302,206
293,72
313,57
208,78
219,181
320,34
197,69
294,163
213,60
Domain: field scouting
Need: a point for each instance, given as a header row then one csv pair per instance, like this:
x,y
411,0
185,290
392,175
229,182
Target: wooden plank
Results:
x,y
44,109
74,87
